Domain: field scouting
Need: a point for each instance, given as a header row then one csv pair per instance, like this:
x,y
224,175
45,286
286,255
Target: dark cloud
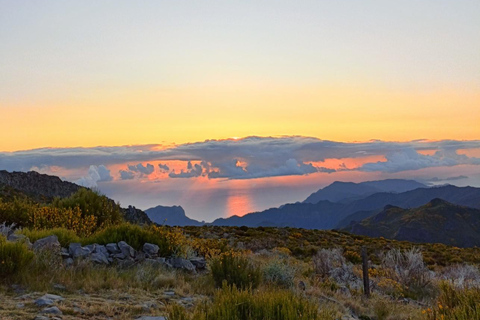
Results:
x,y
437,179
146,170
163,167
191,172
126,175
251,157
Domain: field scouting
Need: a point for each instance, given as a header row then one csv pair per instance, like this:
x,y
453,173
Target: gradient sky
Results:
x,y
88,73
153,79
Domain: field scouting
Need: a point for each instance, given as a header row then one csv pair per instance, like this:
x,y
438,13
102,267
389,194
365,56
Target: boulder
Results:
x,y
52,310
151,250
180,263
199,263
99,258
49,243
81,252
126,249
72,247
112,248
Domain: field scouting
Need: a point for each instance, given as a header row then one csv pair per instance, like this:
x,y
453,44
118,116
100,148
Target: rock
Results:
x,y
101,249
52,310
169,293
127,250
140,256
15,237
53,297
113,248
99,258
68,262
180,263
64,253
43,302
151,250
199,263
48,243
20,305
78,310
40,318
81,252
120,256
72,247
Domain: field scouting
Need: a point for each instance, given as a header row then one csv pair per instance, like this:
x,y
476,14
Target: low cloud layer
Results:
x,y
248,158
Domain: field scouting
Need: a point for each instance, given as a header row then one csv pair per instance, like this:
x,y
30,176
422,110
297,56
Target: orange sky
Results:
x,y
197,113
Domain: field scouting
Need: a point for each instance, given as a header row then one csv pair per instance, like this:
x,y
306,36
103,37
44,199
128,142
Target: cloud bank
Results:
x,y
248,158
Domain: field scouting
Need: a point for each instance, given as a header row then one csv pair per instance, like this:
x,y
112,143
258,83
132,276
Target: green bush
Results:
x,y
134,235
279,272
17,211
14,257
235,270
65,236
229,303
456,304
91,202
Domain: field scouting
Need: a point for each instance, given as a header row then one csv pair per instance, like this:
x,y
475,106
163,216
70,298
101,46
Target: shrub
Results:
x,y
462,276
90,203
230,303
16,212
279,272
65,236
134,235
455,304
327,260
407,267
235,270
14,257
72,219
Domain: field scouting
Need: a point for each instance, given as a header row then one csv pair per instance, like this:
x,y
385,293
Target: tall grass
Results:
x,y
230,303
14,257
235,270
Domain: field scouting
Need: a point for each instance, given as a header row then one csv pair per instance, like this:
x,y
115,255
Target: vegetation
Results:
x,y
14,257
235,270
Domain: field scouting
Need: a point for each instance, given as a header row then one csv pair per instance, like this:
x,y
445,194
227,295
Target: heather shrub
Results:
x,y
14,257
234,269
92,203
230,303
16,212
462,276
69,218
279,272
327,260
455,304
407,267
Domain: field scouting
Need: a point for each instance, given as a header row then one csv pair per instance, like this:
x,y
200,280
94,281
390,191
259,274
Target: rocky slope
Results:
x,y
436,222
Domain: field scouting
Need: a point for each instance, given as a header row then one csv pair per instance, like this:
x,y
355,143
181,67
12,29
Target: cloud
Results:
x,y
163,167
95,174
146,170
410,159
437,179
126,175
247,158
191,172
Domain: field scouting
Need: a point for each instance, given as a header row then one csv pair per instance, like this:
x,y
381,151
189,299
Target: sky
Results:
x,y
88,89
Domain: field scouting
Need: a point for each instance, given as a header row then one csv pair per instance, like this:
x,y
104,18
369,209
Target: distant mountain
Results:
x,y
171,216
438,221
329,215
321,215
341,191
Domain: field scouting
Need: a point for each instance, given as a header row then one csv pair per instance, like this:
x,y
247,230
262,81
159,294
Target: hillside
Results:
x,y
435,222
341,191
43,189
329,215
